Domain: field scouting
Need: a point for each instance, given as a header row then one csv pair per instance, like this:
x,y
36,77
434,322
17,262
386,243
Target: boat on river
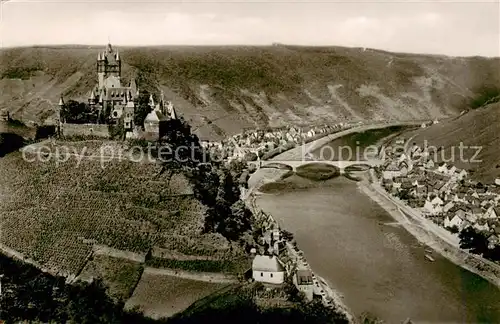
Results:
x,y
428,257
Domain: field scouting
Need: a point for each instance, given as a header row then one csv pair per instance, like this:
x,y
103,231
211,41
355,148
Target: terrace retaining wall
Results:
x,y
106,250
99,130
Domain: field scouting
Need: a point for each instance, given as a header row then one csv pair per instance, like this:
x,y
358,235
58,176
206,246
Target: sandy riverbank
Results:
x,y
430,234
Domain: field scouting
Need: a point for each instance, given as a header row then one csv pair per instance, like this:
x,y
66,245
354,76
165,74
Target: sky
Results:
x,y
456,28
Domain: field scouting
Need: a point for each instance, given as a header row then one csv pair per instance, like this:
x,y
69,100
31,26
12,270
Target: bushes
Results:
x,y
487,96
222,266
10,143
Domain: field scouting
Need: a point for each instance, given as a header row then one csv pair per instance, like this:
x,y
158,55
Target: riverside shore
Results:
x,y
258,179
430,234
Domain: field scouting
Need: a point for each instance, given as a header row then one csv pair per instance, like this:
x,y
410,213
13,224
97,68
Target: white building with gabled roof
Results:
x,y
268,269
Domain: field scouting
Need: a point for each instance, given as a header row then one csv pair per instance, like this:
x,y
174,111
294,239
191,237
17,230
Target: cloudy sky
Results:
x,y
458,27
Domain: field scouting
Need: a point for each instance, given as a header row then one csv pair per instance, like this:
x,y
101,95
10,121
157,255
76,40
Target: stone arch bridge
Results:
x,y
293,165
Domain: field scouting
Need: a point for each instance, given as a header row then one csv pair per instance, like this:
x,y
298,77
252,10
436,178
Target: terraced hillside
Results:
x,y
54,213
221,90
477,128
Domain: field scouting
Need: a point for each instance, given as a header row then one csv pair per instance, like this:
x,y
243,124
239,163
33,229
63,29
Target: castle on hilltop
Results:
x,y
113,102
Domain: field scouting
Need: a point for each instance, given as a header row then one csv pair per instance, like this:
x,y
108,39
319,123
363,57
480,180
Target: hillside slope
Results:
x,y
55,213
478,128
238,86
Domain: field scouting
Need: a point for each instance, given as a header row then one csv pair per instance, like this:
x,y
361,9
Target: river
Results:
x,y
378,267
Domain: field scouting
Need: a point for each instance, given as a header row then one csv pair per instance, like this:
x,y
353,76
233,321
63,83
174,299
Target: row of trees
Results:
x,y
477,243
28,294
215,185
75,112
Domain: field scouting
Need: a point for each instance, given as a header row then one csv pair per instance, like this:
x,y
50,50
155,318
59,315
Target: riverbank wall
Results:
x,y
426,234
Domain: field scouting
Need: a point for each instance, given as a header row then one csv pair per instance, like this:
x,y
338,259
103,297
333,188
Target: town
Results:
x,y
444,194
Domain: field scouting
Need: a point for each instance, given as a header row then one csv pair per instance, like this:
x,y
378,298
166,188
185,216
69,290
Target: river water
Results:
x,y
379,267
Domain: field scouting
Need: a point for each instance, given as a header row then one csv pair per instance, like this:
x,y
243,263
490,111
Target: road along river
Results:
x,y
378,266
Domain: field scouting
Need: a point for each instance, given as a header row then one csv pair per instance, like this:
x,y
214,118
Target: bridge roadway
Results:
x,y
295,164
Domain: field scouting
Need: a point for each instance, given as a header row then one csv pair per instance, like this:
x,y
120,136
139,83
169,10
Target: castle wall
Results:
x,y
99,130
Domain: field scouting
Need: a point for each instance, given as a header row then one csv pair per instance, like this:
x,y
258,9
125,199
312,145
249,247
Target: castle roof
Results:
x,y
61,102
171,111
151,101
115,93
133,86
155,116
112,82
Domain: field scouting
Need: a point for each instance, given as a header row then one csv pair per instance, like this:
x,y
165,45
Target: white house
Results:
x,y
268,269
481,226
451,170
461,175
497,181
492,213
391,171
430,164
443,168
493,240
433,206
303,280
455,221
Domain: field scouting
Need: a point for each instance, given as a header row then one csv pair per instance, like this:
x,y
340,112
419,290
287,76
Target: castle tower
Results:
x,y
92,98
108,64
151,102
61,104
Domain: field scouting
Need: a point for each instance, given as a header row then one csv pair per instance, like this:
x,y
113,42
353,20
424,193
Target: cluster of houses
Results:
x,y
276,260
250,145
442,192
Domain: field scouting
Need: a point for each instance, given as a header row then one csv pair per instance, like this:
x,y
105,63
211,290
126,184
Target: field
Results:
x,y
54,213
120,276
163,296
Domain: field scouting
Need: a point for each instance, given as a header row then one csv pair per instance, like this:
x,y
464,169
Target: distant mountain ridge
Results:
x,y
223,89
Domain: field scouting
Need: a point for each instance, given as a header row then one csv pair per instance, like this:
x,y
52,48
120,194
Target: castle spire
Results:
x,y
61,102
173,115
151,101
92,95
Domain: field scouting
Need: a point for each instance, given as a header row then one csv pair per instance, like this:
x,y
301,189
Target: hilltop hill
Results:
x,y
480,127
244,86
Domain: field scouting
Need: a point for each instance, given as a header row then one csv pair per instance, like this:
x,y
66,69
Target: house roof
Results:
x,y
266,263
304,276
477,210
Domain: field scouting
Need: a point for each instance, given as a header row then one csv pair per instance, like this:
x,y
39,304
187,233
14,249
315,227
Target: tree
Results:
x,y
78,113
473,241
142,108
